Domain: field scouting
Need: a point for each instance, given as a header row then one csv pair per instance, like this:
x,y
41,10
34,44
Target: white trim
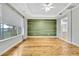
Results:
x,y
42,37
75,7
64,14
10,38
49,17
10,47
64,9
69,42
75,44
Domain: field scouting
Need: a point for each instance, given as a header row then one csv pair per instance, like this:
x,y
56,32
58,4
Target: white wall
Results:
x,y
75,25
8,44
60,34
0,9
20,8
25,28
9,16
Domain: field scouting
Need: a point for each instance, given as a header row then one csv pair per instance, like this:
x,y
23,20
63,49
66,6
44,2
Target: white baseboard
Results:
x,y
42,36
69,42
10,47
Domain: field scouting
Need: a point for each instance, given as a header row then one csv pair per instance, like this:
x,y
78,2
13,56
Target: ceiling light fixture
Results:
x,y
47,6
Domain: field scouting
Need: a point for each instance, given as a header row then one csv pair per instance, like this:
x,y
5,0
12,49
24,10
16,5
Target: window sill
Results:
x,y
10,38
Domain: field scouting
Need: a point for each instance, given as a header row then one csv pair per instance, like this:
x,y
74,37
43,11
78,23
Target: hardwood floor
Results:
x,y
43,47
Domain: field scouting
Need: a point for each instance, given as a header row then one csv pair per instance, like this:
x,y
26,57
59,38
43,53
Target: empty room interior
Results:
x,y
39,29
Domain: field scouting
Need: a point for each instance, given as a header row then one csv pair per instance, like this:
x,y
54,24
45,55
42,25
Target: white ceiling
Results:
x,y
35,9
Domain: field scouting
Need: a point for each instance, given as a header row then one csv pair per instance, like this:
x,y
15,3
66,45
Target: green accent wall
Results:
x,y
41,27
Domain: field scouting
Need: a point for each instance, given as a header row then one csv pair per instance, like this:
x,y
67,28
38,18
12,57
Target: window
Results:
x,y
0,31
64,28
19,30
7,31
64,24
